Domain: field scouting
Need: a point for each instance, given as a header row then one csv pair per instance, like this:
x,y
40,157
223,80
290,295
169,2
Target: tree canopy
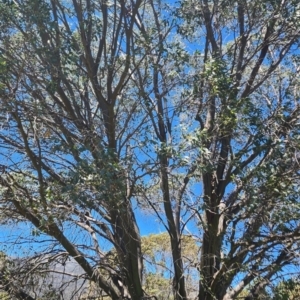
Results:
x,y
187,111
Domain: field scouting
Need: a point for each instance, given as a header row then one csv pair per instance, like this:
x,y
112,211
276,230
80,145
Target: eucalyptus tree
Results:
x,y
188,110
246,101
69,117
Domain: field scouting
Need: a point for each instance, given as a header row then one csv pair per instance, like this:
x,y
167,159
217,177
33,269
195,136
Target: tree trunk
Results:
x,y
128,242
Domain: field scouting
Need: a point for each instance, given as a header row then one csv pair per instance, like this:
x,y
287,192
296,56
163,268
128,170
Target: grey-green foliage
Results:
x,y
190,111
